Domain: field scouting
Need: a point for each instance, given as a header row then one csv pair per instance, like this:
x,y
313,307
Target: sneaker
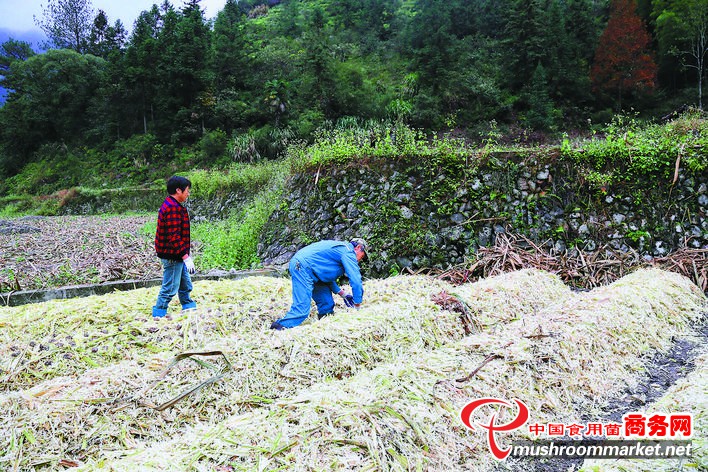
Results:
x,y
277,326
159,312
319,317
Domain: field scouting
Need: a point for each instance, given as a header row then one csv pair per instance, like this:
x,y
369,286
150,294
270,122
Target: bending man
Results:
x,y
314,271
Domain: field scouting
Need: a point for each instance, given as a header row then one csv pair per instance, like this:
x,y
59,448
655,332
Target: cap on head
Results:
x,y
360,243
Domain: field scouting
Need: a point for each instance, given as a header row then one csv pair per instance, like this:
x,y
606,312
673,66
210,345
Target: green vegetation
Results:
x,y
243,177
378,140
620,156
181,92
233,242
627,149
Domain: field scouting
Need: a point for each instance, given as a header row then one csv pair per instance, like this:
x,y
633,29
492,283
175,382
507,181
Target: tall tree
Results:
x,y
140,76
524,33
682,29
623,62
184,44
230,64
67,23
541,114
558,67
166,81
104,39
50,100
366,21
98,35
560,36
108,42
13,50
455,63
582,30
318,78
195,36
230,54
431,40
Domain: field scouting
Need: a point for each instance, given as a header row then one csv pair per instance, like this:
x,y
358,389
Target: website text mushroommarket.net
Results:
x,y
611,449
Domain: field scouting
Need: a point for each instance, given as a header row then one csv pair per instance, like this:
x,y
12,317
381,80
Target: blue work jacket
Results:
x,y
328,260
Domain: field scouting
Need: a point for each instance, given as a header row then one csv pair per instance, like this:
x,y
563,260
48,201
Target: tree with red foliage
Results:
x,y
623,61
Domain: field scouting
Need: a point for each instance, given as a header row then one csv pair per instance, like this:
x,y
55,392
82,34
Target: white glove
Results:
x,y
189,263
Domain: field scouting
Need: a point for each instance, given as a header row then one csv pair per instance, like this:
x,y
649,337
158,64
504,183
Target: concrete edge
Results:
x,y
24,297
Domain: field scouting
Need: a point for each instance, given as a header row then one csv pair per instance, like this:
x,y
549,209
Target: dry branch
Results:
x,y
578,268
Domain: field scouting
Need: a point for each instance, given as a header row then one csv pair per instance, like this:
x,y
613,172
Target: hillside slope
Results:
x,y
376,389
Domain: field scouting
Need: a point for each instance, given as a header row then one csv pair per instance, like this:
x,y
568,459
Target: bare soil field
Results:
x,y
44,252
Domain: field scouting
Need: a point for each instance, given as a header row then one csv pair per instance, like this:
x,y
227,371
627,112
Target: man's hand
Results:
x,y
189,264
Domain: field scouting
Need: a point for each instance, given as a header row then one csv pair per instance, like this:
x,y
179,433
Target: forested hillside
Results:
x,y
263,75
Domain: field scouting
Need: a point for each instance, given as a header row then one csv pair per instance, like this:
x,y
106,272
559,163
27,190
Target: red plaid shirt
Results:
x,y
172,235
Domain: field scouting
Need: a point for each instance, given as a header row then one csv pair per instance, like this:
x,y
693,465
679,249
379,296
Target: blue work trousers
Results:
x,y
175,281
305,289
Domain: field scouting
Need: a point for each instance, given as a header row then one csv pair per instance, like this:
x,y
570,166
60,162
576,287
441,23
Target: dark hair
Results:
x,y
177,182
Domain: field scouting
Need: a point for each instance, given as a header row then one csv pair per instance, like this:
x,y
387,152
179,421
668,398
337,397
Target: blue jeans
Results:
x,y
175,280
306,289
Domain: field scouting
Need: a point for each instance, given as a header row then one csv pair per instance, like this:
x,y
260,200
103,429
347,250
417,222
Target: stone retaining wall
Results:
x,y
417,216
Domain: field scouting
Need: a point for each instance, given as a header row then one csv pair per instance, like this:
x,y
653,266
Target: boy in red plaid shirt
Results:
x,y
172,244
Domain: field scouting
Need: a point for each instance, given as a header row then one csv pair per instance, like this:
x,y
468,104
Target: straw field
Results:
x,y
84,380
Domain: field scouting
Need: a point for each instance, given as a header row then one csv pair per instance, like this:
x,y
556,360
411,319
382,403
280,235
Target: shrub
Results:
x,y
14,205
137,159
246,178
213,146
242,148
348,140
57,167
233,243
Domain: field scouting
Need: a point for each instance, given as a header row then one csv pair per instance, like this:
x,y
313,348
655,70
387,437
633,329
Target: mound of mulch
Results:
x,y
378,388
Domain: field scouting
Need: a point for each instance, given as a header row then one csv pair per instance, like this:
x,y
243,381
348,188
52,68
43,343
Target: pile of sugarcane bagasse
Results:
x,y
95,383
